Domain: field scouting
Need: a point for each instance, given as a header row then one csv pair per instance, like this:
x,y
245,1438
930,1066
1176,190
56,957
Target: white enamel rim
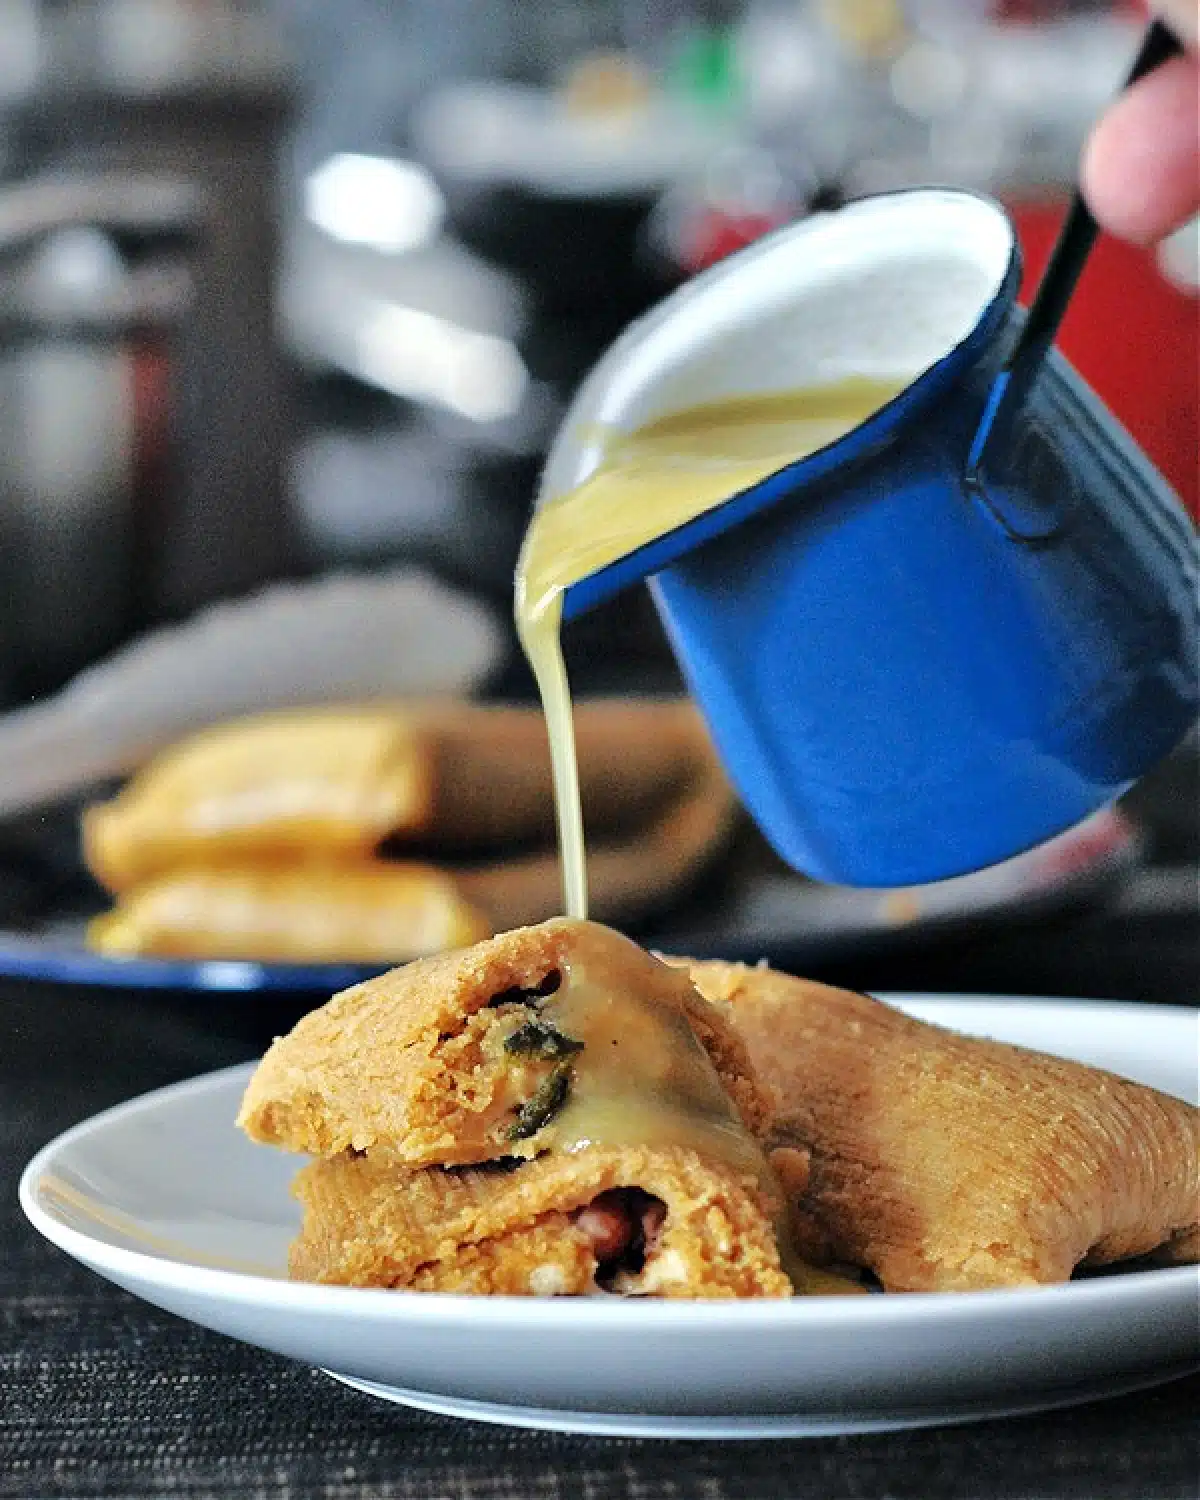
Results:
x,y
726,332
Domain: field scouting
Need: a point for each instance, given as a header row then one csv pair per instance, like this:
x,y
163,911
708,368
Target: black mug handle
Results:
x,y
1011,387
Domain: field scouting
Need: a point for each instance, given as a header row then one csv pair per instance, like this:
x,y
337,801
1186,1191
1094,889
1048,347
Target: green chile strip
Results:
x,y
546,1102
537,1039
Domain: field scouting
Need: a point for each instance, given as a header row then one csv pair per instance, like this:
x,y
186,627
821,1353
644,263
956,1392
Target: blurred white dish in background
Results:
x,y
420,357
431,322
506,133
377,201
336,640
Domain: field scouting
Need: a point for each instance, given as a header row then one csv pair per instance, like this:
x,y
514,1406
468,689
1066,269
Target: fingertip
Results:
x,y
1117,200
1102,184
1140,170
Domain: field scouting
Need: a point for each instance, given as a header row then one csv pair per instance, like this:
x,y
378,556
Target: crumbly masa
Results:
x,y
370,1223
948,1163
280,836
295,913
408,1090
412,1066
337,784
277,787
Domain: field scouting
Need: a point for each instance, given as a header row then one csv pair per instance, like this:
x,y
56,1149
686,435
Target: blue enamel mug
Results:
x,y
911,668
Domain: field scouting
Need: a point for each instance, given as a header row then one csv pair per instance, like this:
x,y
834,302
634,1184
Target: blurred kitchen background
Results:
x,y
296,287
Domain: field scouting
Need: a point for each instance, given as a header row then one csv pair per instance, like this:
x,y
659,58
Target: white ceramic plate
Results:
x,y
166,1198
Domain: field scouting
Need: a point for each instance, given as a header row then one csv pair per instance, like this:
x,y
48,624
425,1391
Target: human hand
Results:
x,y
1141,167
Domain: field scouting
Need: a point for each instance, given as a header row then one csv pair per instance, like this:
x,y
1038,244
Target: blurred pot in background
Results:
x,y
127,92
94,286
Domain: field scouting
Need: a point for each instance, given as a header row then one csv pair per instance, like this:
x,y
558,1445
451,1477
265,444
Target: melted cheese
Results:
x,y
644,1079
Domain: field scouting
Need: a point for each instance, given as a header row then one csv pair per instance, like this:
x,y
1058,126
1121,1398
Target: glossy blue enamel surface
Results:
x,y
909,677
58,959
903,685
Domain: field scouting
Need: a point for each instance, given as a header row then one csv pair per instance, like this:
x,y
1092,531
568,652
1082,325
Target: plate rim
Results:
x,y
763,1427
500,1313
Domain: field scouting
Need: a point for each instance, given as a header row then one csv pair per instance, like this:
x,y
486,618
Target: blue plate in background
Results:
x,y
784,918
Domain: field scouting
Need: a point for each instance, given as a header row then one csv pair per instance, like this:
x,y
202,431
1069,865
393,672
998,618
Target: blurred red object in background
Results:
x,y
1135,338
709,235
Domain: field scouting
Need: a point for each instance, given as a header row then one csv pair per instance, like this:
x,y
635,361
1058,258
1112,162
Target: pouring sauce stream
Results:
x,y
648,483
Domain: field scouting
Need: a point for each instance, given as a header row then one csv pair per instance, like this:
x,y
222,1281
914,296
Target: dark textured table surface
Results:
x,y
103,1395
